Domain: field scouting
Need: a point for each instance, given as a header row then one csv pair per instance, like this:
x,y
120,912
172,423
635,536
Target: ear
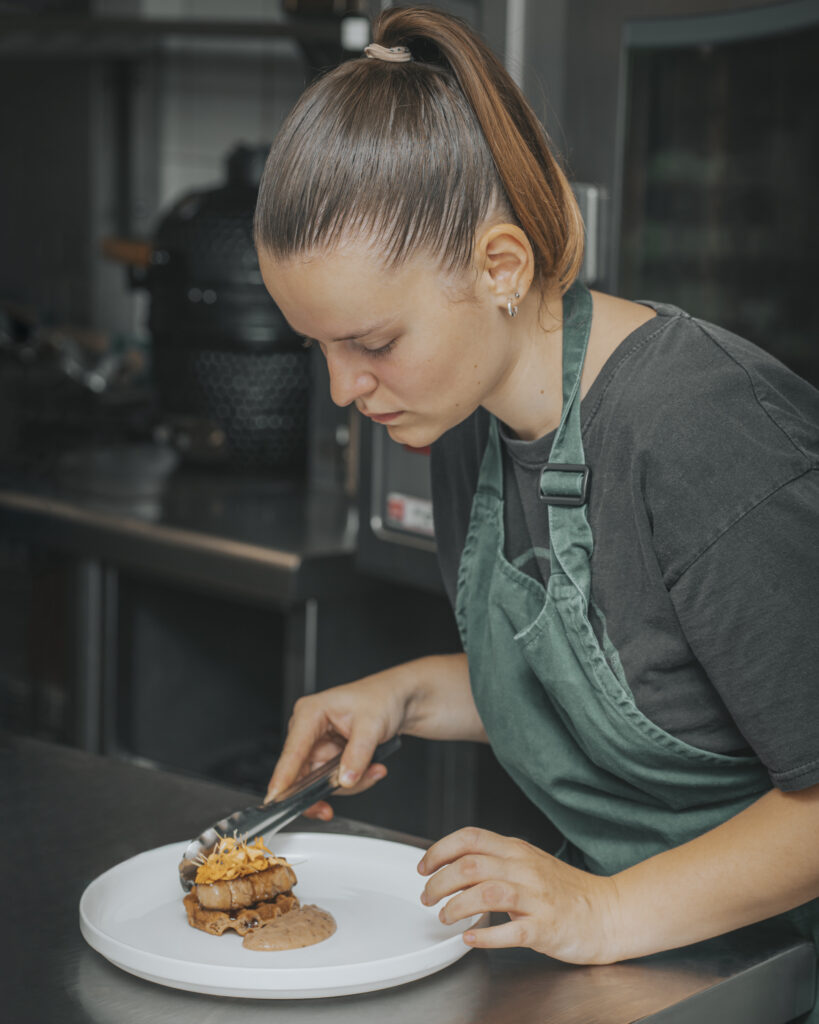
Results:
x,y
505,261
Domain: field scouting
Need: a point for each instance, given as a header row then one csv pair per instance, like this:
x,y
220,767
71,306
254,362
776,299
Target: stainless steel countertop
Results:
x,y
251,537
68,816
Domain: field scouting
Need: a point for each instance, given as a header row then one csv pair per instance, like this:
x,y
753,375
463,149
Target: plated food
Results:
x,y
132,914
302,927
245,888
240,886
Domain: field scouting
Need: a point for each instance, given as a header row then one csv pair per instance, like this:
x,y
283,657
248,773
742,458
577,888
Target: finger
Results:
x,y
493,895
325,749
375,773
465,872
302,737
358,753
321,810
312,763
458,844
500,936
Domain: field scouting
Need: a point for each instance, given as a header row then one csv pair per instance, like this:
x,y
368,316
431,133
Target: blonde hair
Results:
x,y
417,155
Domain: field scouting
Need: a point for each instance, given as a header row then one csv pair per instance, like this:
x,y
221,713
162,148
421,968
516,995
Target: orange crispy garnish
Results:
x,y
235,858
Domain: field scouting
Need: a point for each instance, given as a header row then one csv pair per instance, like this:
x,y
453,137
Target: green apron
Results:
x,y
553,697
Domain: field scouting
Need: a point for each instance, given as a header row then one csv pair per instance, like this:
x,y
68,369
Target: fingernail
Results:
x,y
421,869
424,898
469,936
347,777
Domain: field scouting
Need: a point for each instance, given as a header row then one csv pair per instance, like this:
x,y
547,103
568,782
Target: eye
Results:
x,y
379,353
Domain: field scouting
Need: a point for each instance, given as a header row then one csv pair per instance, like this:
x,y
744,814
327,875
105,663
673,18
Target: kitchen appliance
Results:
x,y
233,379
396,536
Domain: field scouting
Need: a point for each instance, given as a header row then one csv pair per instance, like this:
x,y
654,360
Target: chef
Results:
x,y
626,505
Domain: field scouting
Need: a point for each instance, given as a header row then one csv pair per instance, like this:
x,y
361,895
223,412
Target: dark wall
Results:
x,y
46,185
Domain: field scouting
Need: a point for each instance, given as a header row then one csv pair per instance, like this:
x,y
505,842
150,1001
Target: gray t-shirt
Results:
x,y
704,505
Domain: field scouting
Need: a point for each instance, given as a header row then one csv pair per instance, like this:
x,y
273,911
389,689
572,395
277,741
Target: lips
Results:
x,y
386,417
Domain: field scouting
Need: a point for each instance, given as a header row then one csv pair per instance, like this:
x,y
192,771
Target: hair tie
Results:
x,y
394,54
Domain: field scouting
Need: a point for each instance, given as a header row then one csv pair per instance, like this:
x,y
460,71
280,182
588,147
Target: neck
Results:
x,y
529,396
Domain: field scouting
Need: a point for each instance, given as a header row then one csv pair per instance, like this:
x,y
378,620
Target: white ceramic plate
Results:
x,y
133,915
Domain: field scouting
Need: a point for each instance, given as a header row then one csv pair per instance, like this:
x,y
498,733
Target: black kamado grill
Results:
x,y
233,379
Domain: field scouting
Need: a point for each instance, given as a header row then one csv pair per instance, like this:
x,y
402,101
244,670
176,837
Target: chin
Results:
x,y
414,437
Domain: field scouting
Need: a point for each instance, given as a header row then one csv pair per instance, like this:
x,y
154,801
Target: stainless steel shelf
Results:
x,y
248,539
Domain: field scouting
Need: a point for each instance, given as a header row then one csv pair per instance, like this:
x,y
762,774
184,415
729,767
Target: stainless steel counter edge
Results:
x,y
223,564
786,979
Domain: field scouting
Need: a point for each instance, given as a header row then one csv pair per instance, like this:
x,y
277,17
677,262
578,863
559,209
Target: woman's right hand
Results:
x,y
352,720
429,697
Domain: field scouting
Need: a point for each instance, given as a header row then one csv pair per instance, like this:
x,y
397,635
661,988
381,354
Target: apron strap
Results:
x,y
564,480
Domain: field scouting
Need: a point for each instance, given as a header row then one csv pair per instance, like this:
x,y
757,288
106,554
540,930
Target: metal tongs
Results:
x,y
270,817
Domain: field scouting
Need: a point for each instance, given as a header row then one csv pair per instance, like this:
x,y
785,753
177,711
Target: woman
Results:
x,y
640,641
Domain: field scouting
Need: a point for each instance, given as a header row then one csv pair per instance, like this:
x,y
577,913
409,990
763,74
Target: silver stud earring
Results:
x,y
512,309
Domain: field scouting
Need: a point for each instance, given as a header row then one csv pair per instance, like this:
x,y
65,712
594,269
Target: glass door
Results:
x,y
719,204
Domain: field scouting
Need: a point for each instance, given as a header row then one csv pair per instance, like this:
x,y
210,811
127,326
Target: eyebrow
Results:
x,y
355,335
363,332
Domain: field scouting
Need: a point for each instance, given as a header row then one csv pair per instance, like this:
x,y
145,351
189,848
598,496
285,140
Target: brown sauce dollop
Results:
x,y
297,928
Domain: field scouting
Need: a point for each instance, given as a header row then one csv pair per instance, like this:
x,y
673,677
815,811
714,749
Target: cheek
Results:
x,y
447,381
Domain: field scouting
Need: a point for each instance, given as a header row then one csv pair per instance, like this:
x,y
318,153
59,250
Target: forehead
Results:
x,y
333,270
333,294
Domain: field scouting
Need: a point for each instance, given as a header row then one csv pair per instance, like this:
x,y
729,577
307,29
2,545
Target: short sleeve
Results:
x,y
749,607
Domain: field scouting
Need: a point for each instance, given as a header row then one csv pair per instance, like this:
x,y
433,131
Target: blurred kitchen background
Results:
x,y
190,534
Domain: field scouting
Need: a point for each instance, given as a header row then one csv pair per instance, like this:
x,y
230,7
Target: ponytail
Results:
x,y
418,154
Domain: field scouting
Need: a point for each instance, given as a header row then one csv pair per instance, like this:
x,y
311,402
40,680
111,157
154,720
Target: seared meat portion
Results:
x,y
244,892
242,921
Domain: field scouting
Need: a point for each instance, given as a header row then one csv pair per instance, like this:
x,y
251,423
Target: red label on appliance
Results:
x,y
411,514
395,508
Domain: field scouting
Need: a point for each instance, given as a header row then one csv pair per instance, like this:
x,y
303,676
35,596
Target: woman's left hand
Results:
x,y
553,908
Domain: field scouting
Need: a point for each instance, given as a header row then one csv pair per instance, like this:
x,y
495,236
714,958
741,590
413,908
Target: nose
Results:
x,y
348,379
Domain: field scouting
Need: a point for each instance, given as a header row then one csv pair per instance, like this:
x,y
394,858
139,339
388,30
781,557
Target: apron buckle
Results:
x,y
564,483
